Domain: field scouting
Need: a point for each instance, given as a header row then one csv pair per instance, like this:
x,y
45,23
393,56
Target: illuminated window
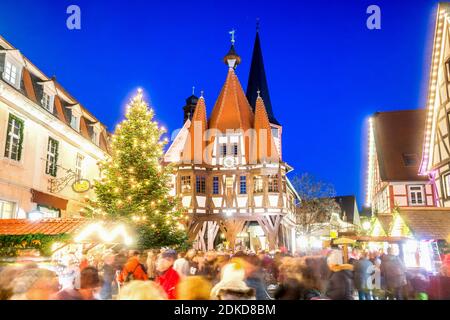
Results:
x,y
185,184
215,185
200,184
273,183
416,195
258,184
14,138
7,209
243,185
10,73
52,157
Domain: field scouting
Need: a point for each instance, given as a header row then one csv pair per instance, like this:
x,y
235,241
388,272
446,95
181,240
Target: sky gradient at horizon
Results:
x,y
326,71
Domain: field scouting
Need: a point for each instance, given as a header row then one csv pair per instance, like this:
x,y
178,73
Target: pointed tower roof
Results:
x,y
266,151
195,143
257,81
232,110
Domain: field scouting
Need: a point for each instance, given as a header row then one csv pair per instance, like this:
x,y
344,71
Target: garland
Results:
x,y
10,245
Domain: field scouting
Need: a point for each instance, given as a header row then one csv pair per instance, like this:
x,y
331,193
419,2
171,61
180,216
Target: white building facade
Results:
x,y
49,144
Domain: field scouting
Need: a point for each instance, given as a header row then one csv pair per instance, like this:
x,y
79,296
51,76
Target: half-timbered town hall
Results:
x,y
230,173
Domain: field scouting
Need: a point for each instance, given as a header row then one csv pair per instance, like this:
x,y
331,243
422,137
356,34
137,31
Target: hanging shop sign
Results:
x,y
81,185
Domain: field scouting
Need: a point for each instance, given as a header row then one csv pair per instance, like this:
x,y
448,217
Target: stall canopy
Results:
x,y
44,226
426,224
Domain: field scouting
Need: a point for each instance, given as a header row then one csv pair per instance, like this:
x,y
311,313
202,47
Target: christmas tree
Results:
x,y
134,187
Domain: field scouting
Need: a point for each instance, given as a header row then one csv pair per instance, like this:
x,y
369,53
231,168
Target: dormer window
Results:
x,y
47,102
75,122
95,137
10,73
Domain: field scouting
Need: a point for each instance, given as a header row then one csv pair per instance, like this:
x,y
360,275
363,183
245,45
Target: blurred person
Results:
x,y
254,276
7,275
34,284
90,284
231,272
193,265
167,277
208,266
151,264
142,290
181,265
235,290
363,271
193,288
109,273
133,269
340,284
394,273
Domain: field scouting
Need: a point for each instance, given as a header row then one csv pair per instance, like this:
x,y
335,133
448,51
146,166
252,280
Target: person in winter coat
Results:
x,y
133,269
168,278
363,270
340,284
181,265
394,273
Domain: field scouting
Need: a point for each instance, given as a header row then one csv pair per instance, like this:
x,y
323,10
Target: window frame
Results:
x,y
7,74
77,123
255,180
415,193
273,185
10,136
79,165
184,185
242,184
51,164
200,184
215,185
13,211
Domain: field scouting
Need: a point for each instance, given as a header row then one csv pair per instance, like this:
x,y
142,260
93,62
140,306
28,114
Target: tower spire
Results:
x,y
257,80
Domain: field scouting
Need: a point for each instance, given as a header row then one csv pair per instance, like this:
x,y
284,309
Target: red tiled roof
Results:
x,y
265,147
44,226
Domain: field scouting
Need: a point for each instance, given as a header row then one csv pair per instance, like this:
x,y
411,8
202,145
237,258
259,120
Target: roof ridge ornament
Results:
x,y
232,33
232,59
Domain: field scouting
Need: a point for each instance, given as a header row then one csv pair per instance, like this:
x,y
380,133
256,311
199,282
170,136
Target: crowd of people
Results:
x,y
220,275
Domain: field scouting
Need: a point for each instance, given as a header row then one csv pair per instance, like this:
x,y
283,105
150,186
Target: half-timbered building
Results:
x,y
394,157
436,142
229,171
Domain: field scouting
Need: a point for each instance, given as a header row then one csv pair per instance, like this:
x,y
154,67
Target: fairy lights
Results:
x,y
433,107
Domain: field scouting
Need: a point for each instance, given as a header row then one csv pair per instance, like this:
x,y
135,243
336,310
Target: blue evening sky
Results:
x,y
326,71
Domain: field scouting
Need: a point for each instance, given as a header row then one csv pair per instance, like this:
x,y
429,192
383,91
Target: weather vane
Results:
x,y
232,32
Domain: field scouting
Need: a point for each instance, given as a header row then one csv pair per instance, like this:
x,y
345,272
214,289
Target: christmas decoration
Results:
x,y
134,187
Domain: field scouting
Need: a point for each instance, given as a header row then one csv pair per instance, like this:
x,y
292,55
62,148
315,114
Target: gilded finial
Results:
x,y
232,32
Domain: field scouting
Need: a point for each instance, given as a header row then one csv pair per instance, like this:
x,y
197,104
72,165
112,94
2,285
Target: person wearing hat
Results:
x,y
167,277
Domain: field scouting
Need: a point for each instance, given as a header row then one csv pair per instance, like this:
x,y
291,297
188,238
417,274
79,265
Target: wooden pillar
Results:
x,y
271,226
231,228
213,228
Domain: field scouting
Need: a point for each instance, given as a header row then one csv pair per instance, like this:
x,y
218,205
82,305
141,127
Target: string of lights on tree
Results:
x,y
134,185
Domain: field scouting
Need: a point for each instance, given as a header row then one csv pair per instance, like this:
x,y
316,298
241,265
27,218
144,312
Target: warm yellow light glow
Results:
x,y
107,236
